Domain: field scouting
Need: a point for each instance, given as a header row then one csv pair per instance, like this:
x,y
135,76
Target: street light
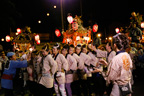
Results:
x,y
39,21
48,14
2,39
54,6
16,33
99,35
110,38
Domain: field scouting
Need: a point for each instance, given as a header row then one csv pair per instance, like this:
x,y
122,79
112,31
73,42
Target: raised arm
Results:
x,y
19,64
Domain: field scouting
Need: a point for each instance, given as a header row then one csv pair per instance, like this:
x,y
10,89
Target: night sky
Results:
x,y
107,14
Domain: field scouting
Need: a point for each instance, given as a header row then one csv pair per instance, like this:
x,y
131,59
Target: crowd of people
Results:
x,y
82,70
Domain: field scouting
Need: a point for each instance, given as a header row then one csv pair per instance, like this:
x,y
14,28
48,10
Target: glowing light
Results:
x,y
30,49
37,37
48,14
142,24
117,30
39,21
57,32
68,40
110,38
38,42
2,39
7,38
18,30
86,38
99,35
78,38
17,33
70,19
95,28
54,6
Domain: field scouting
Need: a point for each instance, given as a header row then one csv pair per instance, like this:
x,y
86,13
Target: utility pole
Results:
x,y
61,3
81,7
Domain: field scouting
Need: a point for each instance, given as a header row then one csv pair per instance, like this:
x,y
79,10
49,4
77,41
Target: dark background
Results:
x,y
107,14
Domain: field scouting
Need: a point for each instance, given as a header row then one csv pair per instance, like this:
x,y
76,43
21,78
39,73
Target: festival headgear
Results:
x,y
10,54
117,36
56,46
121,40
46,47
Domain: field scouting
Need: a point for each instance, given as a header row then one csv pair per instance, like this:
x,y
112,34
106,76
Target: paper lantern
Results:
x,y
95,28
142,24
38,42
86,38
70,19
37,37
57,32
117,30
18,30
78,38
7,38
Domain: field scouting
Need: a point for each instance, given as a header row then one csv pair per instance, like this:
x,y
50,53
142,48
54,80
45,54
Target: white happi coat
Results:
x,y
48,70
119,71
72,67
94,59
85,58
109,57
80,62
62,64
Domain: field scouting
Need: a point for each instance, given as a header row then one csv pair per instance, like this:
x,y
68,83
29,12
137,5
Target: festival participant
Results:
x,y
3,60
119,69
36,61
93,64
109,54
84,72
62,63
10,71
72,67
49,67
24,55
92,54
80,64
